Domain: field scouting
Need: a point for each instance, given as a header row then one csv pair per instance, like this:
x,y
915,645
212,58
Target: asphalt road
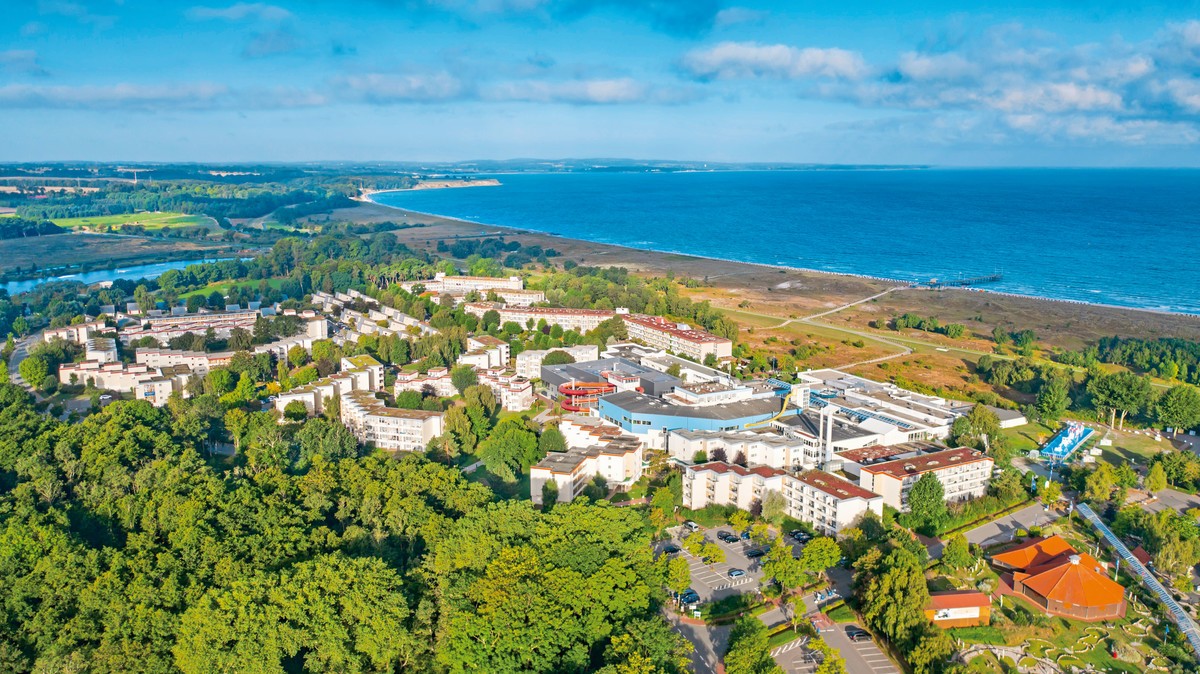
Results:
x,y
1003,529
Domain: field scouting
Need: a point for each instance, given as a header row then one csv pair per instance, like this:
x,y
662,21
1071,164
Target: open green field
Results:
x,y
151,221
82,252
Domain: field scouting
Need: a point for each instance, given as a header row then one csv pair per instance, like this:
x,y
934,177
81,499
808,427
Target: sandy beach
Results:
x,y
793,293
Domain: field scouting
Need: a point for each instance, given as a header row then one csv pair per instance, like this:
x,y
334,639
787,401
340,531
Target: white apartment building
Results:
x,y
153,384
529,363
580,320
77,334
828,502
618,461
761,448
461,285
101,350
963,472
388,428
199,362
164,328
437,379
359,373
484,352
720,483
676,337
514,393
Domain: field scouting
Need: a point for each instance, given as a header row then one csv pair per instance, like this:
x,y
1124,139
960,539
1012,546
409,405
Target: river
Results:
x,y
139,271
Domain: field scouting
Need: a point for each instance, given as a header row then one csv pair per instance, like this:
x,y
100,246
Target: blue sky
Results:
x,y
976,84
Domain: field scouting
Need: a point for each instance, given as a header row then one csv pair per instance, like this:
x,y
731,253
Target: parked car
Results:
x,y
691,526
756,553
689,598
671,549
745,536
727,536
736,573
857,635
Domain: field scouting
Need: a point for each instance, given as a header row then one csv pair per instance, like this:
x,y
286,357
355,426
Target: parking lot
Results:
x,y
713,582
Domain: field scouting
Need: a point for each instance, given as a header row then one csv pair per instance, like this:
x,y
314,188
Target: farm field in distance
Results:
x,y
149,221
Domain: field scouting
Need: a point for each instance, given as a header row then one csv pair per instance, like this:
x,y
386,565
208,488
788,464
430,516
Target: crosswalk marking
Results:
x,y
780,650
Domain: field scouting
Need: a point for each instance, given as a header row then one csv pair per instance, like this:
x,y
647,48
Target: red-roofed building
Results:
x,y
675,337
959,608
1061,581
963,472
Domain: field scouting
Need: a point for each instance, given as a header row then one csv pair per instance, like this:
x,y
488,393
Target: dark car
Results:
x,y
796,533
671,549
745,535
727,536
858,635
756,553
689,598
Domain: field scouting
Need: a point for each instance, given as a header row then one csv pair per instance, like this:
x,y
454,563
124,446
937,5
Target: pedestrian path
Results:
x,y
1185,622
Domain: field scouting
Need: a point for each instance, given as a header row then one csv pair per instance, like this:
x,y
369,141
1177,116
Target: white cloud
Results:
x,y
241,11
401,88
734,60
21,61
951,66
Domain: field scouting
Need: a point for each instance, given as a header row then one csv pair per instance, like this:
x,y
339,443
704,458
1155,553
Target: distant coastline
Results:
x,y
366,195
904,283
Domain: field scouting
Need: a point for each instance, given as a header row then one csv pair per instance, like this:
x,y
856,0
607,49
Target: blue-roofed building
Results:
x,y
652,418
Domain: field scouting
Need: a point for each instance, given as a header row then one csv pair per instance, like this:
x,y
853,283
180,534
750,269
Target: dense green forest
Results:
x,y
18,228
125,546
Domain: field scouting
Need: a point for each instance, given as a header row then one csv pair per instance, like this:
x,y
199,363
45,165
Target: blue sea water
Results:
x,y
1126,237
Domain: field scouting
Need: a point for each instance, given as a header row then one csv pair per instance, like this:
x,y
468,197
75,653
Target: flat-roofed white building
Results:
x,y
436,382
78,333
514,393
359,373
529,363
760,447
676,337
720,483
619,461
963,472
461,285
164,328
199,361
580,320
152,384
388,428
101,350
896,414
484,352
828,502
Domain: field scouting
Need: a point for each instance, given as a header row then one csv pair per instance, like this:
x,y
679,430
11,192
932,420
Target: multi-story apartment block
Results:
x,y
529,363
78,334
461,285
152,384
720,483
164,328
359,373
963,472
101,350
580,320
200,362
513,392
760,447
485,351
675,337
828,502
388,428
619,461
436,381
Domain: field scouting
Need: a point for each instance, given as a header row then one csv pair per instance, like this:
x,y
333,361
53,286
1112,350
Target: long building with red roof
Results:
x,y
1062,581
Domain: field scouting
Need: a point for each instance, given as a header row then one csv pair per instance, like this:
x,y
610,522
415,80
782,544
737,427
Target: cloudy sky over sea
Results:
x,y
985,83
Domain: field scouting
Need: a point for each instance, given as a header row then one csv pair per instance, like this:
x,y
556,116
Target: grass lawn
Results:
x,y
1029,437
151,221
1131,447
842,614
224,288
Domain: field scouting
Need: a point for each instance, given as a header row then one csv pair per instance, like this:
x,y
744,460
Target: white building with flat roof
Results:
x,y
388,428
164,328
78,333
484,352
461,285
359,373
152,384
580,320
884,408
513,392
101,350
760,447
198,361
721,483
529,363
619,462
436,382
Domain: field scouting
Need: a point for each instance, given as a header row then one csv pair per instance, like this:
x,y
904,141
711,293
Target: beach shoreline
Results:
x,y
368,195
904,283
